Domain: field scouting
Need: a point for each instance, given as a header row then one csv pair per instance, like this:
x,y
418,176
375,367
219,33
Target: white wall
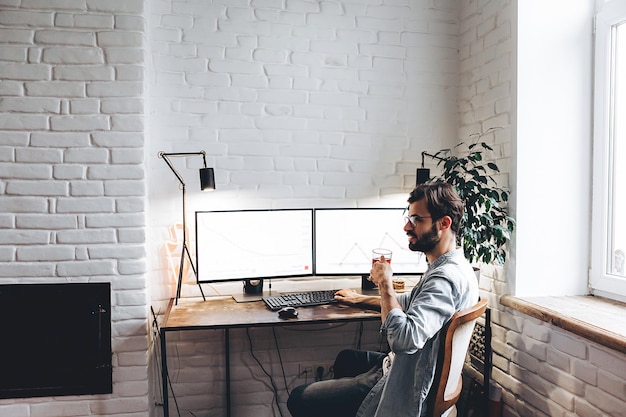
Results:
x,y
72,180
553,134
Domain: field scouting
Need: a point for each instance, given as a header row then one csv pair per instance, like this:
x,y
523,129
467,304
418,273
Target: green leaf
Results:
x,y
484,145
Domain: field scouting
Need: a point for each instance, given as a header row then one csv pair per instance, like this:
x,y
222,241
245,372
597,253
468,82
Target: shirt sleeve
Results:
x,y
423,314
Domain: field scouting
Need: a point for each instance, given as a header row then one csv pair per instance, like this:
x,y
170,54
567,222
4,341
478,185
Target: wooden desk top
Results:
x,y
225,312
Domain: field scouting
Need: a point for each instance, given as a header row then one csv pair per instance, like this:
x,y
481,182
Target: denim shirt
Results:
x,y
449,285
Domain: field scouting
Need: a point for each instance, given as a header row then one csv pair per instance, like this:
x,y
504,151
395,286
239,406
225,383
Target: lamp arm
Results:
x,y
161,154
424,153
166,157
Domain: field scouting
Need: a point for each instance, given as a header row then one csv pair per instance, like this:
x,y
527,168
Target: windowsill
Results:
x,y
594,318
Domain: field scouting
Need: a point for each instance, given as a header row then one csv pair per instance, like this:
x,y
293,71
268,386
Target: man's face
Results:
x,y
422,231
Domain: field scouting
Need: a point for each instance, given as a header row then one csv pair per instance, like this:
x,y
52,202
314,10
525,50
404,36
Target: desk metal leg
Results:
x,y
227,355
164,374
166,406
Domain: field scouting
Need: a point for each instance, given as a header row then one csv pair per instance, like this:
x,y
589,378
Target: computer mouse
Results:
x,y
287,313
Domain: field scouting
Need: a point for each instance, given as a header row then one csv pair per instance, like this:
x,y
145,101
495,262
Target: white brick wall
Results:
x,y
257,78
297,104
545,370
72,179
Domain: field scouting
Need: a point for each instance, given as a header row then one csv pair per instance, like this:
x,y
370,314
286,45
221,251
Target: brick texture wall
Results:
x,y
72,179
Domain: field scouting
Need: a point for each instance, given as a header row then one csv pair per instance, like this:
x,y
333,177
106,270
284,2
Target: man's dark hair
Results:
x,y
442,200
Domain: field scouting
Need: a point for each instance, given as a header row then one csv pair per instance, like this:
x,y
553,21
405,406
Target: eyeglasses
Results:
x,y
415,219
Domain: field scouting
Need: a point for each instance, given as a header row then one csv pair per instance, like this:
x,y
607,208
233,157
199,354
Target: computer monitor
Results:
x,y
253,244
344,239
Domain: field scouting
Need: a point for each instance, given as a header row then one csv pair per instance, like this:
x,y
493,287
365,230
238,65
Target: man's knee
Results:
x,y
352,362
295,401
348,363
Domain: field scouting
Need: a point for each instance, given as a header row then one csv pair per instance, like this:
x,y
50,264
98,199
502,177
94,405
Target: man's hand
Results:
x,y
381,273
349,296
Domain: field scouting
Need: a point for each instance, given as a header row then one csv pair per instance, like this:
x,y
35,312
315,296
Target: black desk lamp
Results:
x,y
422,174
207,182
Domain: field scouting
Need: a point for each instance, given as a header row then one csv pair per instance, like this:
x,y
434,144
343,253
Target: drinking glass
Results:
x,y
378,252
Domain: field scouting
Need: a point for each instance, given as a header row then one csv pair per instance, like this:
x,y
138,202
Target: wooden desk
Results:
x,y
225,313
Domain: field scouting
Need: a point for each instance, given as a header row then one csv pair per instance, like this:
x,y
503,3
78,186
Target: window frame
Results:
x,y
601,282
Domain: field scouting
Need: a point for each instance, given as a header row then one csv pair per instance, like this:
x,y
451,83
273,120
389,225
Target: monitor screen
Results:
x,y
249,244
344,239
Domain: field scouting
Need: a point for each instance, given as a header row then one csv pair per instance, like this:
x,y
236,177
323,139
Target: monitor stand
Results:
x,y
247,298
367,284
252,291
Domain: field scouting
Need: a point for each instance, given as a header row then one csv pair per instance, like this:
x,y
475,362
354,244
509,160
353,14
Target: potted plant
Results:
x,y
486,226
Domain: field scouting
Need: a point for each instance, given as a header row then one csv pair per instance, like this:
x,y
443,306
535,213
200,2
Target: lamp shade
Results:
x,y
422,175
207,179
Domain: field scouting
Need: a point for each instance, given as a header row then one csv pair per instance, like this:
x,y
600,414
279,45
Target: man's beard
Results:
x,y
426,242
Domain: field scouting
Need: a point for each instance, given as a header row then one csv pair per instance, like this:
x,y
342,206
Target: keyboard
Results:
x,y
300,299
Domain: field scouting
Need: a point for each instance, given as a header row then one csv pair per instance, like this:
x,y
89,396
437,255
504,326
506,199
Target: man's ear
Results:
x,y
445,222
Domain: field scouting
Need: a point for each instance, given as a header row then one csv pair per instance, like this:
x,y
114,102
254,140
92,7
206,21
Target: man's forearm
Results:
x,y
388,300
370,301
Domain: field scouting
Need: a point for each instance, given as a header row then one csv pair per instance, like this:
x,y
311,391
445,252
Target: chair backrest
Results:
x,y
448,381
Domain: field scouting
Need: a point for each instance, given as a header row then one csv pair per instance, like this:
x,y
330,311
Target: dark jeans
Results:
x,y
356,372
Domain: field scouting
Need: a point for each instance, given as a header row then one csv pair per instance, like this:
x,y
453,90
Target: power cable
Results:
x,y
274,387
280,360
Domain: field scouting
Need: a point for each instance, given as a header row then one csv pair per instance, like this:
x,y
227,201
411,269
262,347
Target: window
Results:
x,y
607,275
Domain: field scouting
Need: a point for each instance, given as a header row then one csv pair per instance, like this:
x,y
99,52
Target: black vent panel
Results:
x,y
55,339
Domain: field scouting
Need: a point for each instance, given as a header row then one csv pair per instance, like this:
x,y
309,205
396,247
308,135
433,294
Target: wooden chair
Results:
x,y
448,381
